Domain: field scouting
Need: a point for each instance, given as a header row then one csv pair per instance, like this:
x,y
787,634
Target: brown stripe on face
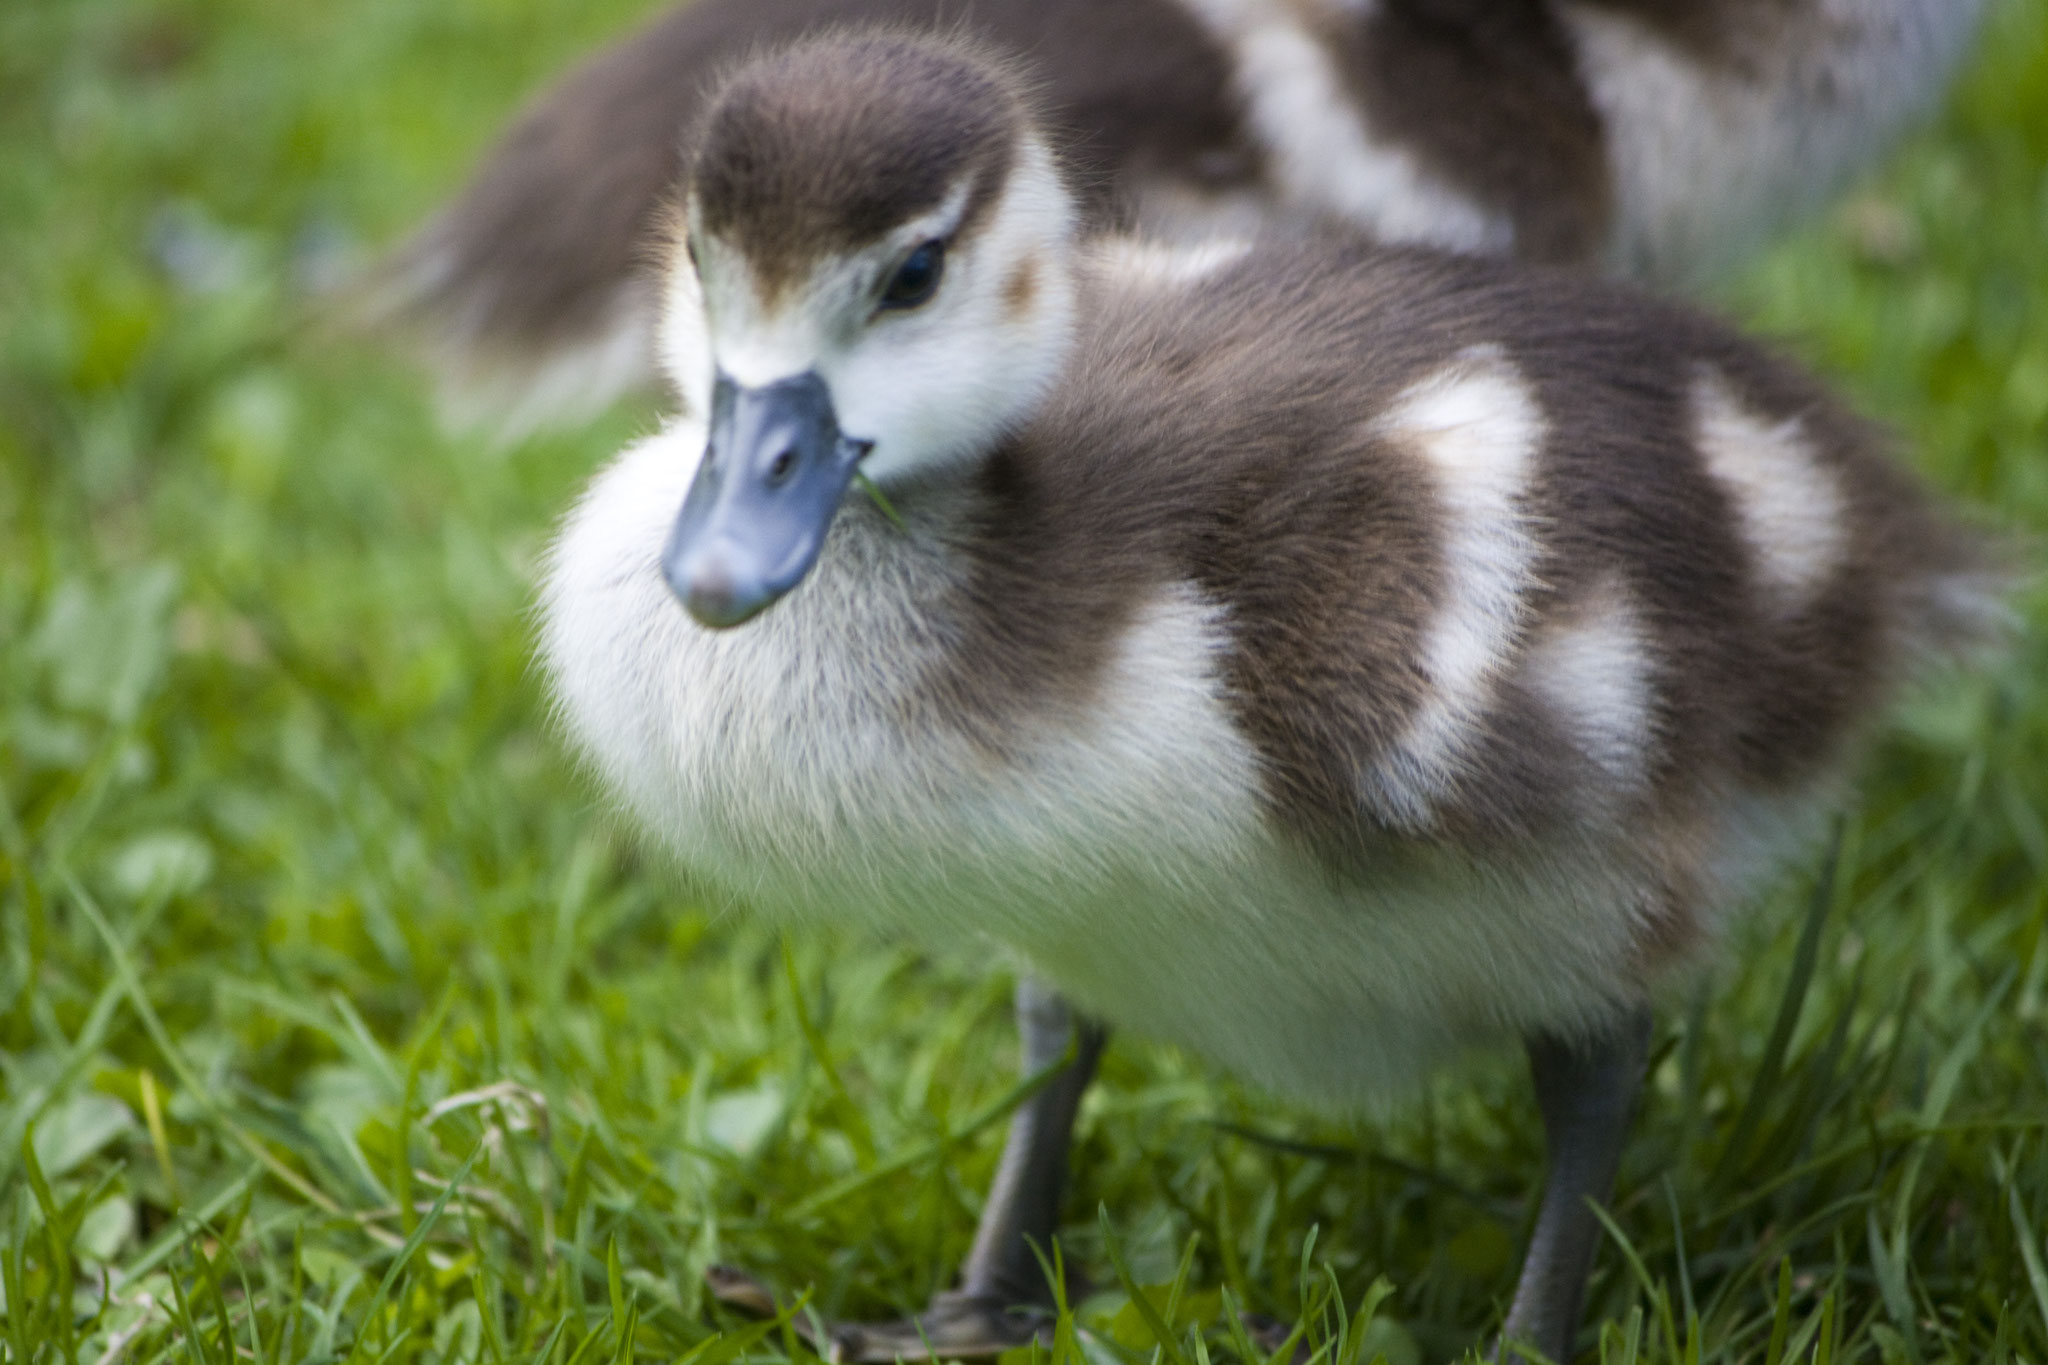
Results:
x,y
1488,92
828,146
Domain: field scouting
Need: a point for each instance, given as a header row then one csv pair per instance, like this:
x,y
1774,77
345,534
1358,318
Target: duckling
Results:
x,y
1657,139
1324,657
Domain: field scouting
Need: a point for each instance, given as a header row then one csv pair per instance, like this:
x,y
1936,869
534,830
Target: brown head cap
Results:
x,y
824,147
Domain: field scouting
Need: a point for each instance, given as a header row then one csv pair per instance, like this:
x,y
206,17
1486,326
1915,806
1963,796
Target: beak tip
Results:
x,y
712,593
719,613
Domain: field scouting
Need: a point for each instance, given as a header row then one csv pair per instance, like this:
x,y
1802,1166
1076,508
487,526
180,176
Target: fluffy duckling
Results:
x,y
1656,138
1324,658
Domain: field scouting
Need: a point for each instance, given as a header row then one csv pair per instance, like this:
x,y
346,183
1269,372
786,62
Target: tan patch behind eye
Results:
x,y
1022,287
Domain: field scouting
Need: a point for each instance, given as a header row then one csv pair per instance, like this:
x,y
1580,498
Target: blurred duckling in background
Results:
x,y
1655,139
1327,658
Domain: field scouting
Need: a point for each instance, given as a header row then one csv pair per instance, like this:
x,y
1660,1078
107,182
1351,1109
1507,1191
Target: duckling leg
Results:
x,y
1586,1090
1023,1207
1002,1299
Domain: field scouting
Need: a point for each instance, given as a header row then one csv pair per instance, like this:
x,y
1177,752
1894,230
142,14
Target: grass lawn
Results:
x,y
339,1020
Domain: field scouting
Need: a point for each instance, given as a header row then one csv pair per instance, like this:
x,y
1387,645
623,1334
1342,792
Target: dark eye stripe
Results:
x,y
917,279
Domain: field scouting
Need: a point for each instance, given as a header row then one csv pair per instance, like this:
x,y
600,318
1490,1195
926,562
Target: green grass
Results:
x,y
337,1020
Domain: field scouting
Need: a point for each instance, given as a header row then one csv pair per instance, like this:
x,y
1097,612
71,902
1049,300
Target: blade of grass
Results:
x,y
58,1225
881,500
1781,1315
1791,1004
124,969
77,1056
936,1148
1161,1331
547,1348
1659,1300
814,1041
2023,1230
412,1243
21,1320
188,1224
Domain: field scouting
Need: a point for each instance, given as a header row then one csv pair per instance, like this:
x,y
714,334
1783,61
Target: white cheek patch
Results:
x,y
1593,669
1478,426
1323,153
1790,509
940,383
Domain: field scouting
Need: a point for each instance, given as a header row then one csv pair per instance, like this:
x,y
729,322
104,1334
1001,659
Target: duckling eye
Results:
x,y
917,279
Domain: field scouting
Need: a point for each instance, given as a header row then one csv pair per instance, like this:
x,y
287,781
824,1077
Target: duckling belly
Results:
x,y
1340,995
1333,990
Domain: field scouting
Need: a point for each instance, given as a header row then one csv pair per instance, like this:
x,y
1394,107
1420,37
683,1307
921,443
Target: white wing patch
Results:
x,y
1147,264
1593,670
1323,153
1478,425
1791,509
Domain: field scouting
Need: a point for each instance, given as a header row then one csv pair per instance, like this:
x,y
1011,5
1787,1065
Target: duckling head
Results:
x,y
877,278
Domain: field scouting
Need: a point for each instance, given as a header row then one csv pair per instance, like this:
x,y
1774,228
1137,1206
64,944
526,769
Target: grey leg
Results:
x,y
1587,1090
1002,1295
1023,1207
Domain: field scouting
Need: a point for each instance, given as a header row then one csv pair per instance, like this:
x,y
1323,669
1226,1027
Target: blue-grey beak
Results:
x,y
756,515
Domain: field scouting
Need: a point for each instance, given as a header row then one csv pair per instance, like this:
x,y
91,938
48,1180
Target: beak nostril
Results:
x,y
779,470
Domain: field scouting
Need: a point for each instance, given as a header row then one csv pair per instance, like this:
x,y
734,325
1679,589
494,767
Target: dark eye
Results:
x,y
917,279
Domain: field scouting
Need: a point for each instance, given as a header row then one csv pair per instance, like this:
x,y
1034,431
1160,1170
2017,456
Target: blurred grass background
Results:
x,y
304,921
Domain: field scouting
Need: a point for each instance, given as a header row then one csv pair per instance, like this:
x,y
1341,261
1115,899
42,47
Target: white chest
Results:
x,y
795,761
